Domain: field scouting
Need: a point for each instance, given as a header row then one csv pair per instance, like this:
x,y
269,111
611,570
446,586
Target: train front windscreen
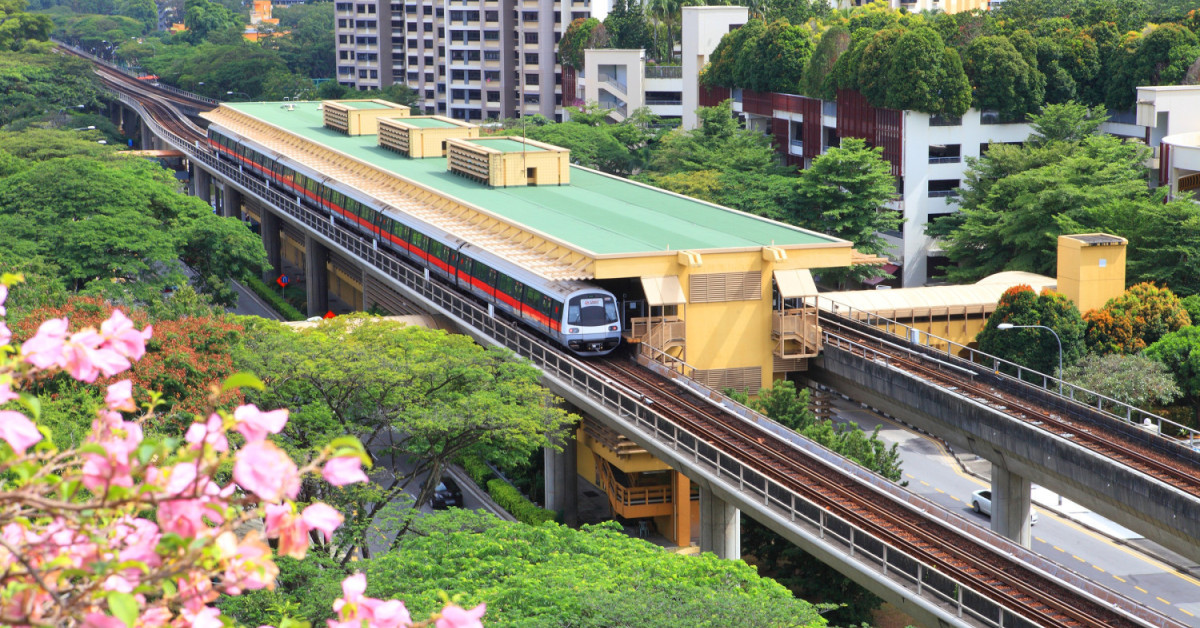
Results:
x,y
592,310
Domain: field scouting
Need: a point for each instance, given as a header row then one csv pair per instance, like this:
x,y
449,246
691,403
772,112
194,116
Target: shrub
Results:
x,y
273,299
510,499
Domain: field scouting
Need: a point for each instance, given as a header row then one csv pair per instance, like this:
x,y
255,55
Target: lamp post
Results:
x,y
1005,326
243,94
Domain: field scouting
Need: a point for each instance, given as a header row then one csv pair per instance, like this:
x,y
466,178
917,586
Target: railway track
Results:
x,y
1047,602
1176,469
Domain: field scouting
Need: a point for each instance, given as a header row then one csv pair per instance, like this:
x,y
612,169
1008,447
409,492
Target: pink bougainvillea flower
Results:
x,y
455,617
208,617
121,336
344,470
248,563
18,431
209,432
6,393
98,620
390,614
322,517
284,524
267,471
353,587
3,298
255,424
120,396
5,334
45,349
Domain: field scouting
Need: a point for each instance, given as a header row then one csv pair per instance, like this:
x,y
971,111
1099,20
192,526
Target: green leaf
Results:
x,y
242,380
32,404
169,589
123,606
292,623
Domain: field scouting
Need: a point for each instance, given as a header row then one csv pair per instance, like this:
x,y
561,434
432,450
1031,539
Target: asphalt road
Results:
x,y
1067,534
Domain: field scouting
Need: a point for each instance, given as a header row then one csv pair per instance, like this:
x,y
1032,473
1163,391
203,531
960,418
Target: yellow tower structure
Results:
x,y
1091,268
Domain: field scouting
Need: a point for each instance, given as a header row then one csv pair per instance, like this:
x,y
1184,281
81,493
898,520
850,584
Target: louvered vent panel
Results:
x,y
745,379
337,118
393,137
718,287
783,365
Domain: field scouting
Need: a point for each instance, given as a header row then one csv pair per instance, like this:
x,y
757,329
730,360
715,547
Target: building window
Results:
x,y
945,153
531,58
341,23
493,96
531,79
940,120
412,60
491,36
942,187
491,16
531,38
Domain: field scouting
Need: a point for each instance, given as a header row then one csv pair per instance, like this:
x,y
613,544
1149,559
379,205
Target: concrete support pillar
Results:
x,y
720,526
231,202
682,492
147,138
201,182
1010,505
269,229
128,121
562,481
316,276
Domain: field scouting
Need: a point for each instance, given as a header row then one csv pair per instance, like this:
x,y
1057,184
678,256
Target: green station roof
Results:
x,y
602,214
424,123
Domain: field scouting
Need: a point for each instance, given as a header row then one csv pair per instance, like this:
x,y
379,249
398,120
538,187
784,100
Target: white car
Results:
x,y
981,502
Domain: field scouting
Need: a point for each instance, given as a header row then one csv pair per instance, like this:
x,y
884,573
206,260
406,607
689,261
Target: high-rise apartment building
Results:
x,y
467,59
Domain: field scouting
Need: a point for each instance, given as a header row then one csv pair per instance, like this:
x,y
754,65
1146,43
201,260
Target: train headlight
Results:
x,y
573,330
612,328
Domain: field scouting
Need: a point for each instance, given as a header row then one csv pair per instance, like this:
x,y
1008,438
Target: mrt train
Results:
x,y
583,318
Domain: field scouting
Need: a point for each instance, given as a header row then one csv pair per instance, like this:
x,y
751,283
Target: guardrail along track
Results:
x,y
1176,468
1046,601
985,599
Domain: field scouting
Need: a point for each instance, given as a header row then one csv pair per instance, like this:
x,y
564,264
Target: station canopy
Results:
x,y
663,291
794,284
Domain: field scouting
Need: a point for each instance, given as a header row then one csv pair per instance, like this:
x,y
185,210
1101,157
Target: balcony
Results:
x,y
658,332
796,333
664,71
634,502
945,160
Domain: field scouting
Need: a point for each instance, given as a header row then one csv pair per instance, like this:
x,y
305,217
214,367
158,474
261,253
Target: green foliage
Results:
x,y
1135,320
766,59
1003,80
18,27
32,84
274,299
547,575
239,67
581,35
834,42
1161,57
511,500
1180,352
1133,379
1016,201
203,19
1034,348
914,69
308,48
218,249
1191,304
627,26
144,11
844,194
477,469
1069,122
96,32
405,391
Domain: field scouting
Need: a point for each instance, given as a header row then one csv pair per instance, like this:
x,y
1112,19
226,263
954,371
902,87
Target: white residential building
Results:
x,y
1171,115
467,59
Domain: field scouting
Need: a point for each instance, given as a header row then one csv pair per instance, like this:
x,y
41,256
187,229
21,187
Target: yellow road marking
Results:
x,y
924,482
955,498
1119,578
1097,568
1162,600
1039,539
940,491
1078,558
1188,612
1141,589
909,475
1058,548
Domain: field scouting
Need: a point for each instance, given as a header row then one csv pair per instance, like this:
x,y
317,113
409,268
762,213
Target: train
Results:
x,y
580,317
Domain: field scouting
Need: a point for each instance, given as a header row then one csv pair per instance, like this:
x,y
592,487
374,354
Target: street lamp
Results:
x,y
1005,326
90,127
243,94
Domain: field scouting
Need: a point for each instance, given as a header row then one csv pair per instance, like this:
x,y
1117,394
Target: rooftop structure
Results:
x,y
422,136
505,162
359,117
682,267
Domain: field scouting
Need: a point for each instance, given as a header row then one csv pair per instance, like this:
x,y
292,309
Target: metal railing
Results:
x,y
664,101
123,70
945,160
796,145
664,71
958,353
764,494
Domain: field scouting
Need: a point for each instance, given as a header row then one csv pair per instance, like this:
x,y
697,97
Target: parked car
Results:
x,y
981,502
447,494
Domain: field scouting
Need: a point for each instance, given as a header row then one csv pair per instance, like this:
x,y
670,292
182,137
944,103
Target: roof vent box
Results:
x,y
359,117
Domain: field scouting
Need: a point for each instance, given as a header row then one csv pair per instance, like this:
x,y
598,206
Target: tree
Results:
x,y
732,63
117,227
581,35
844,193
144,11
1069,122
543,576
1161,57
1179,351
1135,320
1034,348
911,69
1132,379
407,392
18,26
1002,79
627,26
307,47
1016,201
834,42
34,84
780,58
717,144
203,19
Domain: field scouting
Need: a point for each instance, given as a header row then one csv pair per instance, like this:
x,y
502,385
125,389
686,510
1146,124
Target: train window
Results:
x,y
556,310
418,240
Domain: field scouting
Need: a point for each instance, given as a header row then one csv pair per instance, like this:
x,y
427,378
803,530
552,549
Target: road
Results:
x,y
1068,534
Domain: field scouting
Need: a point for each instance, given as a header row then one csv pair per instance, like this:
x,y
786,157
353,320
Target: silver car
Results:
x,y
981,502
